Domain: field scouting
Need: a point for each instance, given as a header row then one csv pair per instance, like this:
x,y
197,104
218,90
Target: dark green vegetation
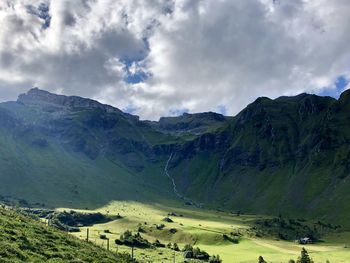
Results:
x,y
27,239
286,156
195,253
75,219
291,229
136,240
69,220
303,258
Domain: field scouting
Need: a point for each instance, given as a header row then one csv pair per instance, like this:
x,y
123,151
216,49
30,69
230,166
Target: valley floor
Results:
x,y
205,229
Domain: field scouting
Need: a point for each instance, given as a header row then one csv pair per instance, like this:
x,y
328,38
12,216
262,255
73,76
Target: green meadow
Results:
x,y
205,229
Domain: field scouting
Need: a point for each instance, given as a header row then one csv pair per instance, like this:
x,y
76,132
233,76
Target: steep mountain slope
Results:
x,y
24,239
58,150
289,155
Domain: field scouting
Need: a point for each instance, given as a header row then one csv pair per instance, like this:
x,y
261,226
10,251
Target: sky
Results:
x,y
158,58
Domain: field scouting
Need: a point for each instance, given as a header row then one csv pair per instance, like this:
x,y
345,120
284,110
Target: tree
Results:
x,y
304,257
261,260
176,247
188,247
215,259
127,234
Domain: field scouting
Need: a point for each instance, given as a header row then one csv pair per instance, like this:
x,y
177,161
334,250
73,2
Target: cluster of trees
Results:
x,y
136,240
174,246
195,253
303,258
291,229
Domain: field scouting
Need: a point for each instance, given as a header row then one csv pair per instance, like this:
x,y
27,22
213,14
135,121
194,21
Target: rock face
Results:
x,y
191,123
288,155
36,96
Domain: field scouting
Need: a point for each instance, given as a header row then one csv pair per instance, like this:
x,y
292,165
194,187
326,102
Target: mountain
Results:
x,y
25,239
289,156
285,156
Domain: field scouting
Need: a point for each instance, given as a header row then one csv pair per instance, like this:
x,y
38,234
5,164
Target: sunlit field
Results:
x,y
205,229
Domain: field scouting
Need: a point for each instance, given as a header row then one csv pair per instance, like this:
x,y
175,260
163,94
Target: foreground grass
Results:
x,y
24,239
205,229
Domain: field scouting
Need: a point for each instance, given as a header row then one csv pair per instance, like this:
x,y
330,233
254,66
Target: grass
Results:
x,y
25,239
204,228
56,177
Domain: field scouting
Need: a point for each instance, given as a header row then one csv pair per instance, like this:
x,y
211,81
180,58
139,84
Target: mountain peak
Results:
x,y
39,97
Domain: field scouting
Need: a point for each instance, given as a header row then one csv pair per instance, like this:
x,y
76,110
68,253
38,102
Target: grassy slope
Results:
x,y
204,228
283,156
268,192
25,239
57,177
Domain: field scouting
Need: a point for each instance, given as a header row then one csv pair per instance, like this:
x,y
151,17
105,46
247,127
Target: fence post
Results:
x,y
107,244
132,253
87,234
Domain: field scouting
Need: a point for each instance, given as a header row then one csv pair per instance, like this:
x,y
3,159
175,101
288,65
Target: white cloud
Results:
x,y
198,55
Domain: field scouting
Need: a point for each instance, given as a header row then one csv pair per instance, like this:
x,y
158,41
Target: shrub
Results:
x,y
167,219
157,243
304,257
103,237
160,227
176,247
195,253
215,259
128,239
233,240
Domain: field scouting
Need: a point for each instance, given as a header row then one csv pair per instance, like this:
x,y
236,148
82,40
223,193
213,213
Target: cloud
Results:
x,y
160,57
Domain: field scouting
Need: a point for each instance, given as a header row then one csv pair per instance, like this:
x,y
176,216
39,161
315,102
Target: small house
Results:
x,y
305,240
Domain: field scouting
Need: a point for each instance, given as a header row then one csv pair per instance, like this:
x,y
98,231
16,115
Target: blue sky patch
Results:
x,y
340,85
43,12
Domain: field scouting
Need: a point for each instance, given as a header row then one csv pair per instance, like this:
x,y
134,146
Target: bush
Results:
x,y
157,243
215,259
168,219
141,230
195,253
128,239
176,247
304,257
233,240
160,227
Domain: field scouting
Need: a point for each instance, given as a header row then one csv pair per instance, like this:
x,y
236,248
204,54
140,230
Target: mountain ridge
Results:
x,y
289,155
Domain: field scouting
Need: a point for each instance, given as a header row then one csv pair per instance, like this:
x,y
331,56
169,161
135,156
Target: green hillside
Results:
x,y
24,239
285,156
